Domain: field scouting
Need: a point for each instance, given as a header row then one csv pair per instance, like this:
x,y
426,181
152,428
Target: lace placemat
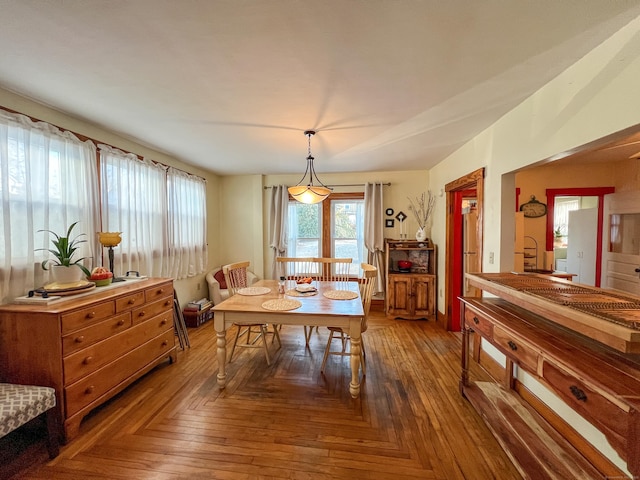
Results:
x,y
254,291
281,304
295,293
340,294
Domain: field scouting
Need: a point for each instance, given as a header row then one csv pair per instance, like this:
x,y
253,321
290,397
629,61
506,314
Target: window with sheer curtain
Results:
x,y
187,223
48,180
134,202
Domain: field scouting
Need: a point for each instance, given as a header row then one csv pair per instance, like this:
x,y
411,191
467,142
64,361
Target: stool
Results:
x,y
20,404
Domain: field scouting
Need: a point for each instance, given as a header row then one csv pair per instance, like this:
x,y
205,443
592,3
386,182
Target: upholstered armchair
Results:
x,y
218,287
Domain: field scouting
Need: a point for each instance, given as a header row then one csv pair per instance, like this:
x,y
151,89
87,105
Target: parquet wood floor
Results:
x,y
283,421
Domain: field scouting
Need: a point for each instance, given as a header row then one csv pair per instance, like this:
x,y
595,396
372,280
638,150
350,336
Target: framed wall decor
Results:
x,y
389,212
389,223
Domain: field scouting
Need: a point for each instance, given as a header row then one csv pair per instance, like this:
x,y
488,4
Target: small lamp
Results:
x,y
110,240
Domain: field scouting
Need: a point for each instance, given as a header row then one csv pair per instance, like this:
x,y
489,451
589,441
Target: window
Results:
x,y
333,228
48,180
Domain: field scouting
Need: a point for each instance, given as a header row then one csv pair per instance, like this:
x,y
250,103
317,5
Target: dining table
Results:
x,y
335,304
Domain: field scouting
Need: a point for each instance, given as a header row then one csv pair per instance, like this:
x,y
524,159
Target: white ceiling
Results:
x,y
230,85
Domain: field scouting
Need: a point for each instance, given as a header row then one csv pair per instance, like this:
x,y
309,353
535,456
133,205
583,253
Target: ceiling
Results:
x,y
231,85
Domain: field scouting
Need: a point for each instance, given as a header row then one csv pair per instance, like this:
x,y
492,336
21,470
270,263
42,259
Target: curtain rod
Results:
x,y
342,185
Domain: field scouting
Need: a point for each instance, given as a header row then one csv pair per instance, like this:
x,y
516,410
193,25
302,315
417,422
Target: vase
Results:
x,y
421,234
63,274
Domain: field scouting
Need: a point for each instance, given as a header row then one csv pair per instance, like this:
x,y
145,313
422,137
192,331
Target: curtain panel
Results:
x,y
278,211
374,229
134,202
187,223
48,180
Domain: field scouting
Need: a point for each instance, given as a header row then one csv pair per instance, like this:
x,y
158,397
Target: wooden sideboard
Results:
x,y
88,346
600,382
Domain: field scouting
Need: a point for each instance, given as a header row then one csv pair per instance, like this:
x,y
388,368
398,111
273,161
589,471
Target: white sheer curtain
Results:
x,y
187,222
48,180
134,202
278,209
374,229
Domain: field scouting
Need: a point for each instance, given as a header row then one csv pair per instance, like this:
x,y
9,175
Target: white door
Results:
x,y
621,242
582,233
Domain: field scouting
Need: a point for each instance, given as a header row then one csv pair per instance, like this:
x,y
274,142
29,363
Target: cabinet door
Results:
x,y
399,295
422,295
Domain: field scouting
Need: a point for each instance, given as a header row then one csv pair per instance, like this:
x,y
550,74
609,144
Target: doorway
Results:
x,y
466,188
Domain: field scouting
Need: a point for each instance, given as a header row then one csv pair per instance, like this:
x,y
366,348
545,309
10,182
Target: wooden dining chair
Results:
x,y
329,269
255,333
367,285
292,268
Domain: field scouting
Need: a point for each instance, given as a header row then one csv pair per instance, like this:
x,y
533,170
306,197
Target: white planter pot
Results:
x,y
421,235
63,274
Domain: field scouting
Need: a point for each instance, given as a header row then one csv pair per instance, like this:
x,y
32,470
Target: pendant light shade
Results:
x,y
309,193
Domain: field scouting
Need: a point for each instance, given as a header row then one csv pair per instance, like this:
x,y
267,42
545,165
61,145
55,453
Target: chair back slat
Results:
x,y
297,268
334,269
367,286
235,274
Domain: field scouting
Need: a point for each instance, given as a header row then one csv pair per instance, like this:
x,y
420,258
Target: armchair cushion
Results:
x,y
219,276
216,291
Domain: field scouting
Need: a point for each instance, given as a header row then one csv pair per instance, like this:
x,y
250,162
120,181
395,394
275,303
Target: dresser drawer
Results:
x,y
92,387
127,302
88,360
589,403
152,309
89,335
161,291
86,316
521,353
478,322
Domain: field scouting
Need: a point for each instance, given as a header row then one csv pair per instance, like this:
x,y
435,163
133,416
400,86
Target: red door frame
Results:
x,y
599,192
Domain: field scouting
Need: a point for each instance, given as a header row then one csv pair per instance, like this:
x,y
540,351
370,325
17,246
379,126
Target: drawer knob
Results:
x,y
141,314
79,339
91,314
160,291
167,303
87,360
512,345
475,320
131,301
165,343
578,393
89,389
163,322
121,322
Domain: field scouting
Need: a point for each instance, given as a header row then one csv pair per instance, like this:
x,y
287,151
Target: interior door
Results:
x,y
621,245
581,245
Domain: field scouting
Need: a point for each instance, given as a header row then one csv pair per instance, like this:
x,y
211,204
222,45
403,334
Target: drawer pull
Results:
x,y
160,291
89,390
578,393
91,315
79,339
475,320
512,345
165,343
131,301
167,303
141,314
87,360
163,322
121,322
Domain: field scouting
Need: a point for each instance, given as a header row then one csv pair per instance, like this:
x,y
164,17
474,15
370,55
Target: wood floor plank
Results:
x,y
287,420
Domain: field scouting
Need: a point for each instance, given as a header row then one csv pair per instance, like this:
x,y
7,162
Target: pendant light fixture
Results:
x,y
310,193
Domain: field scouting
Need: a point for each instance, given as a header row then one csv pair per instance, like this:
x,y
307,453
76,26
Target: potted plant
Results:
x,y
64,266
422,209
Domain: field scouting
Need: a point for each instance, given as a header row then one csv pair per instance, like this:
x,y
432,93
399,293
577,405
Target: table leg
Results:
x,y
221,334
355,339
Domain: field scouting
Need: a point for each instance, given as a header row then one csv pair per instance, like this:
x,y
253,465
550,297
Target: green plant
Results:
x,y
65,250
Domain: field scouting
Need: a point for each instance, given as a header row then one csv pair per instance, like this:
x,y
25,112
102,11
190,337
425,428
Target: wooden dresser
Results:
x,y
546,328
88,346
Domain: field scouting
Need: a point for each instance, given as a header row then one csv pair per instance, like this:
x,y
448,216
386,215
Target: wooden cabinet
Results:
x,y
410,293
89,346
597,381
